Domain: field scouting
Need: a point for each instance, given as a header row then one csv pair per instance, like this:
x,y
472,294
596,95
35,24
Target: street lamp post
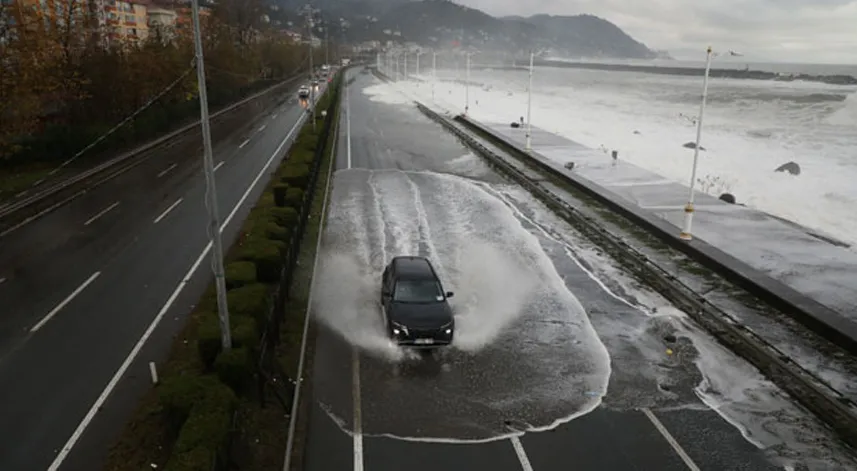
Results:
x,y
405,65
530,106
419,53
396,58
467,87
688,209
211,190
433,72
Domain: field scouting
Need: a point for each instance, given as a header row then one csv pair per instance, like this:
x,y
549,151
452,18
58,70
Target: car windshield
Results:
x,y
417,291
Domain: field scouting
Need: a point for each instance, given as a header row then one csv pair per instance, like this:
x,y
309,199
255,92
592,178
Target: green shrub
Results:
x,y
245,333
208,339
295,199
285,217
178,394
295,175
279,192
266,200
235,368
198,459
251,301
276,232
203,436
267,255
301,156
209,344
239,274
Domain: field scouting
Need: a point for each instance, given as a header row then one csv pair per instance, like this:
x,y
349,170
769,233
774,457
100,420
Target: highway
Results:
x,y
95,290
560,361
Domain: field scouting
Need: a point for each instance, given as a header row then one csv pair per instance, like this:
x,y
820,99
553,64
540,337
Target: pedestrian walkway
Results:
x,y
812,272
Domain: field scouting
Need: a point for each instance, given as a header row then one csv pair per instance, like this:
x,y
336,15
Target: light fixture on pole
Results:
x,y
433,72
419,53
688,209
309,12
530,106
467,87
211,190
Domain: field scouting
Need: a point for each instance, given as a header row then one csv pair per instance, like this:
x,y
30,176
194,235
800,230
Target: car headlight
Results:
x,y
399,328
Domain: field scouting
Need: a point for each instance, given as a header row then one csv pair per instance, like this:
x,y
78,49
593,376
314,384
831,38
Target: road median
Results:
x,y
215,409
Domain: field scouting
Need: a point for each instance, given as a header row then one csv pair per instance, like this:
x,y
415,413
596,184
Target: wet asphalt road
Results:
x,y
135,239
528,355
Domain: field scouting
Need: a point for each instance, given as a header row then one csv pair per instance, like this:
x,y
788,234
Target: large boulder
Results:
x,y
728,197
692,145
791,167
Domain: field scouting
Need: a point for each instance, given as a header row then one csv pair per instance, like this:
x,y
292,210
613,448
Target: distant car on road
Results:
x,y
414,305
303,92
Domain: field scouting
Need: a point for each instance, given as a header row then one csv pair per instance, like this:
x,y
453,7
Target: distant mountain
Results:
x,y
443,23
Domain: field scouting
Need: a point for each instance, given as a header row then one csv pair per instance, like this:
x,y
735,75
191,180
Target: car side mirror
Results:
x,y
449,294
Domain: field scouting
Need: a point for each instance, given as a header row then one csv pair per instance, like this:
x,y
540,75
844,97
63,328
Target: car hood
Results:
x,y
421,315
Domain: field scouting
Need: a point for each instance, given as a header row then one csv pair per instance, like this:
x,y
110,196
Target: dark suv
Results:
x,y
415,306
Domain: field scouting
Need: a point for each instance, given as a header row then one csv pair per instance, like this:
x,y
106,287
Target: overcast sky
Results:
x,y
778,30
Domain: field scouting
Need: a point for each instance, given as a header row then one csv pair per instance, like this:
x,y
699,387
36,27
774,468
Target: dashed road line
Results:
x,y
167,211
262,128
358,411
65,302
102,213
244,144
219,165
120,372
167,170
41,213
670,439
522,454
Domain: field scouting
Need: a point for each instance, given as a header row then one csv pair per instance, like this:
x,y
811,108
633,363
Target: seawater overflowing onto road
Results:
x,y
524,346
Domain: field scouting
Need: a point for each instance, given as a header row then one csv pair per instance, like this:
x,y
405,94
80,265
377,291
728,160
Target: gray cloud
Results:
x,y
785,30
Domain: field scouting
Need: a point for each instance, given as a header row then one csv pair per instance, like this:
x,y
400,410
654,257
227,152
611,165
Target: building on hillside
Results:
x,y
126,20
162,22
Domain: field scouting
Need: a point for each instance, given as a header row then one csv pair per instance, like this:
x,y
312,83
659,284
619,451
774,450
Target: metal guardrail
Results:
x,y
829,405
44,201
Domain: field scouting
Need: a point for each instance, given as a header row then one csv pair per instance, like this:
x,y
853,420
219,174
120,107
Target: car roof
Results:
x,y
415,268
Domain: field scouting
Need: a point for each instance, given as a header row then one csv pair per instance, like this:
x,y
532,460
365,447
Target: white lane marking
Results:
x,y
167,211
41,213
64,302
96,406
2,280
37,183
262,128
348,124
670,439
275,115
302,357
522,455
219,165
102,213
358,412
244,144
167,170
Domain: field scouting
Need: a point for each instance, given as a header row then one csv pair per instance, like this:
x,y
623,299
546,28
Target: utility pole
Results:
x,y
308,11
326,45
211,190
530,105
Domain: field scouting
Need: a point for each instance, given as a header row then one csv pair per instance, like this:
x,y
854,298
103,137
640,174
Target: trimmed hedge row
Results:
x,y
200,408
